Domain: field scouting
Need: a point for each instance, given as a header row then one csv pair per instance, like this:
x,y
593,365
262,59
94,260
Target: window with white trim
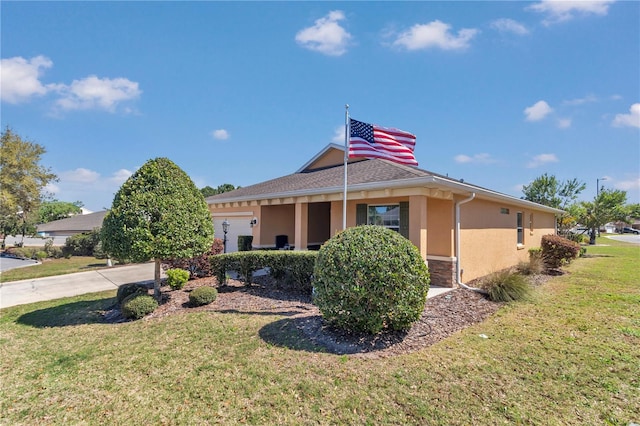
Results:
x,y
520,228
384,215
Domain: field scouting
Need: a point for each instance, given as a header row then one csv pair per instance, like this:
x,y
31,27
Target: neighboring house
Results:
x,y
461,230
72,225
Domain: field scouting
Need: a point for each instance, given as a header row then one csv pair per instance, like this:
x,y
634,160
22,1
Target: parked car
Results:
x,y
628,230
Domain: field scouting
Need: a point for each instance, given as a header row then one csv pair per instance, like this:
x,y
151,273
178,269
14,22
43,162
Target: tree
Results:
x,y
158,213
208,191
56,210
608,206
548,191
22,183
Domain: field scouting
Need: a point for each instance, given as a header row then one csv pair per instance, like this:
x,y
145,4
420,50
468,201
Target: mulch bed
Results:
x,y
443,315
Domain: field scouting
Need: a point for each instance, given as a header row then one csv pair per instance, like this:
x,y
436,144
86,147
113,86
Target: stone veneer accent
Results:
x,y
442,272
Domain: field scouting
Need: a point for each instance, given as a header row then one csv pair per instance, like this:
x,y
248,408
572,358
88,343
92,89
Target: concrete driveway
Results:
x,y
48,288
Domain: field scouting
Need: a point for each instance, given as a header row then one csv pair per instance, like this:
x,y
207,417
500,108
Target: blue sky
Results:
x,y
497,93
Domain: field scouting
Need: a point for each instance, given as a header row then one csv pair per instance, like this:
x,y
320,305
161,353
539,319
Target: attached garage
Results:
x,y
239,224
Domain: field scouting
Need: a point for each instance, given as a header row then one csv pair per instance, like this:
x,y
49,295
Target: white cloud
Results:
x,y
93,189
506,25
120,176
93,92
631,120
326,36
21,78
542,159
562,10
476,159
435,34
339,135
220,134
581,101
81,175
628,185
564,123
537,111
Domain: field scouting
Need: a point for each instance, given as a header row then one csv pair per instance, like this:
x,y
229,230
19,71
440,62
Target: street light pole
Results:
x,y
598,186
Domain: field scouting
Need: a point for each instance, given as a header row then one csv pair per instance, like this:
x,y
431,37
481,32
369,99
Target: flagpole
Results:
x,y
346,156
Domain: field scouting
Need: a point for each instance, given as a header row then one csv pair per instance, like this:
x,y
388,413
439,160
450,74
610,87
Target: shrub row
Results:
x,y
557,251
293,267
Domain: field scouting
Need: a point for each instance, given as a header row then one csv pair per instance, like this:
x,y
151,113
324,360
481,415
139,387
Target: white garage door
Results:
x,y
238,225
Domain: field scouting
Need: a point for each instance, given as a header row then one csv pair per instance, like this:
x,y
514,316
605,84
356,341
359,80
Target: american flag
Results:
x,y
372,141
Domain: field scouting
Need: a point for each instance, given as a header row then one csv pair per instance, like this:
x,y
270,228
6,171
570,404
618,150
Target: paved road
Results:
x,y
627,238
39,289
7,263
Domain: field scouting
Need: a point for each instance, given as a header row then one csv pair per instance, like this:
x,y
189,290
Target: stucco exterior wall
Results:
x,y
489,240
440,223
277,220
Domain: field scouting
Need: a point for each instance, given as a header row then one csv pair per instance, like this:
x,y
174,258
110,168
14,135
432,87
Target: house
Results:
x,y
462,231
73,225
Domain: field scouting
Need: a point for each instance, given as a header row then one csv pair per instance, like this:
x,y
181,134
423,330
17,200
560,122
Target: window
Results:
x,y
504,211
386,215
520,228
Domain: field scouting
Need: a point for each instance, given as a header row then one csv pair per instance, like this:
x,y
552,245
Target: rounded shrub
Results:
x,y
137,306
203,296
370,278
126,290
176,278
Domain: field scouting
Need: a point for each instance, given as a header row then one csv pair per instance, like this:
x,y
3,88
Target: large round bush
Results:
x,y
370,278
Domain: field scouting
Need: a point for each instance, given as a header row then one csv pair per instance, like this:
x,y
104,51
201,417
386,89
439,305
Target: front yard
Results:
x,y
571,356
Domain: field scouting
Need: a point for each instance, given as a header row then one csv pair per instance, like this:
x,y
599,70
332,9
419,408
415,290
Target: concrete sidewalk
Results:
x,y
49,288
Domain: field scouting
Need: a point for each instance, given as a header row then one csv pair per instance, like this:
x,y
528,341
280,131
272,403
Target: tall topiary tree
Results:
x,y
369,278
158,213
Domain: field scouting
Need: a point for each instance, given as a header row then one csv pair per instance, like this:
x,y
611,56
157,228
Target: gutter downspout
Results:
x,y
458,270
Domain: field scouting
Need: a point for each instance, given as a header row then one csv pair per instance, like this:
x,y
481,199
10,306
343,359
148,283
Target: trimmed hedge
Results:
x,y
294,267
557,251
370,278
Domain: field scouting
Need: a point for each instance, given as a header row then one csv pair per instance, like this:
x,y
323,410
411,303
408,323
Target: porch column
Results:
x,y
301,226
418,223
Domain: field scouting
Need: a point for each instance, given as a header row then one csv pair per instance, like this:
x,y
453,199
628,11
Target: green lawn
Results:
x,y
570,356
52,267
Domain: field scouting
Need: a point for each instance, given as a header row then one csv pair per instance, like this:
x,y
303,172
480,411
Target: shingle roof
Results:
x,y
368,171
77,223
371,172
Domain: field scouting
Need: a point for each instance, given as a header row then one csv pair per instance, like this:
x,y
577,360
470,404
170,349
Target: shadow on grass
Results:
x,y
311,334
69,314
287,333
